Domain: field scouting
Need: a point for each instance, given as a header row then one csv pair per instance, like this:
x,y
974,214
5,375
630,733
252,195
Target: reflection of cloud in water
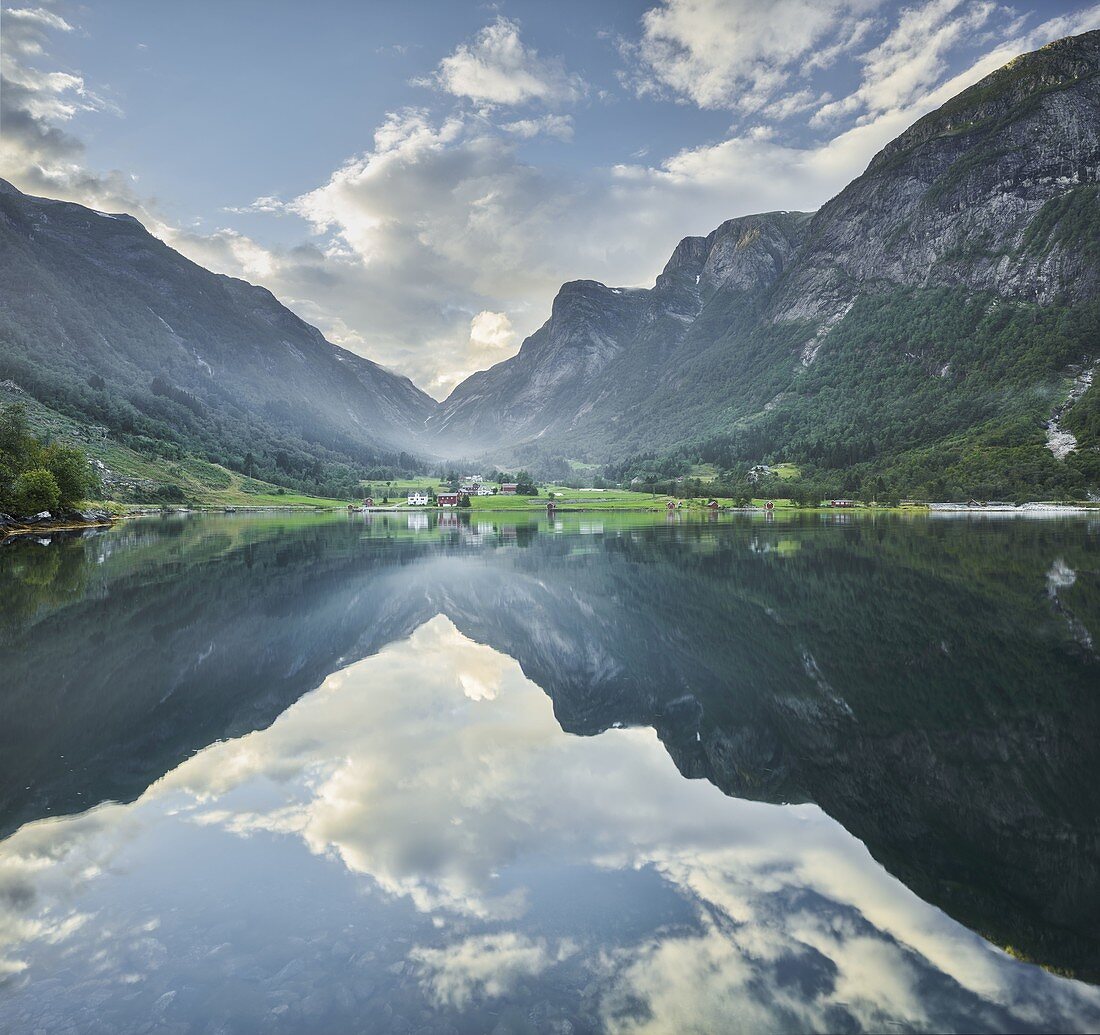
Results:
x,y
438,770
489,965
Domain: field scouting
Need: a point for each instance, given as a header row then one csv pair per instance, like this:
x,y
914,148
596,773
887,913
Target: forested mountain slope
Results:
x,y
101,319
923,326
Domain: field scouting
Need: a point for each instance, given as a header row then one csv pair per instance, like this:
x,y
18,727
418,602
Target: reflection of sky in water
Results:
x,y
417,843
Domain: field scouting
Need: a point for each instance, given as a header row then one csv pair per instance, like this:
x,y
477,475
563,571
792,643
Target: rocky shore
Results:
x,y
47,522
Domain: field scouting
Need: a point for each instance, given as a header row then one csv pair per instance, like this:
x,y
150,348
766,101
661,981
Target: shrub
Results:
x,y
69,466
35,491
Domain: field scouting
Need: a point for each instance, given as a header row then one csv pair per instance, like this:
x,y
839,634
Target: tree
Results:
x,y
14,429
35,491
71,472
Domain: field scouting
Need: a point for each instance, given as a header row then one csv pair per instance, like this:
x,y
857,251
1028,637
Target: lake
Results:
x,y
409,773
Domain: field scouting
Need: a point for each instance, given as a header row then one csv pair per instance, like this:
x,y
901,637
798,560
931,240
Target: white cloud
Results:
x,y
37,150
912,57
559,126
740,54
491,331
906,71
499,68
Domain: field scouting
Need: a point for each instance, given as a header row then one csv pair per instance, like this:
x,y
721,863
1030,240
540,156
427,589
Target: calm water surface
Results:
x,y
600,774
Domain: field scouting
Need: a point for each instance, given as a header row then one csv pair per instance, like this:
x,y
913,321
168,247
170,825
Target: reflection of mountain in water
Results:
x,y
919,682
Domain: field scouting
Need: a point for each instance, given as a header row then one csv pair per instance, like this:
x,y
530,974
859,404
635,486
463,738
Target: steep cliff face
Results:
x,y
604,349
975,226
954,201
93,295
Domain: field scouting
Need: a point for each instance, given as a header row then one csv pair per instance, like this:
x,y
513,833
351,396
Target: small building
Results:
x,y
485,490
368,502
447,499
508,488
418,498
712,505
841,503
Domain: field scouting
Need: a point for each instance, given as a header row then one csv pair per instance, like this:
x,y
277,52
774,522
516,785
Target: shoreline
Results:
x,y
19,529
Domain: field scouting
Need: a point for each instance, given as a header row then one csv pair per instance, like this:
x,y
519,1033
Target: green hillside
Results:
x,y
129,476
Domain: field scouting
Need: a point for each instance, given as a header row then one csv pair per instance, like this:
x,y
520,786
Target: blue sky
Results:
x,y
419,178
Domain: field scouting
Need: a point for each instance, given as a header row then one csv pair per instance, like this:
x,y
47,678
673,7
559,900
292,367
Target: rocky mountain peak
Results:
x,y
747,253
989,192
1057,66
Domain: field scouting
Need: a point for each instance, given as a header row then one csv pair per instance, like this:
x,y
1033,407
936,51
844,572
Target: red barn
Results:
x,y
447,499
509,488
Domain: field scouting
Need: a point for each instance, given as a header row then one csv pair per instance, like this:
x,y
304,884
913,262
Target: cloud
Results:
x,y
491,332
36,104
911,58
740,54
559,126
906,70
439,222
498,68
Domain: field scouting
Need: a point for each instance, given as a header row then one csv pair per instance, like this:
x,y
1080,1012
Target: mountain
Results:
x,y
928,322
597,357
102,319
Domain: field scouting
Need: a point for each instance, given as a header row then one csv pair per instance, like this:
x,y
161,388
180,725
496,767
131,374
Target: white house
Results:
x,y
484,490
418,498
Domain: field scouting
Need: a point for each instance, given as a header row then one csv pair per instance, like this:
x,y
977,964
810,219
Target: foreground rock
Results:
x,y
61,521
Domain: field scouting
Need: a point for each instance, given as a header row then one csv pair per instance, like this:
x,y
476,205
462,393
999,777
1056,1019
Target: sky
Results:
x,y
419,178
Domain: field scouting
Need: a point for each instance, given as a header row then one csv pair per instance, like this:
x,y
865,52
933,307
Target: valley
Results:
x,y
912,339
